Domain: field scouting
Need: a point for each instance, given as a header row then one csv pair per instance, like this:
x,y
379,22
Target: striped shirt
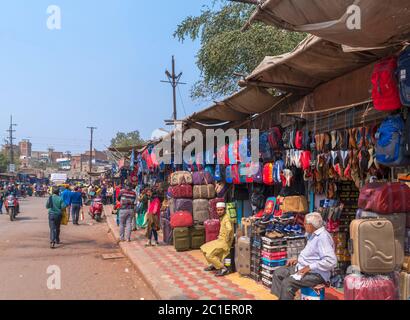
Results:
x,y
127,199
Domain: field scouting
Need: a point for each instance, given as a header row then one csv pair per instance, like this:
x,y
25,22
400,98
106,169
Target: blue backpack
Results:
x,y
264,147
403,72
229,176
390,142
218,173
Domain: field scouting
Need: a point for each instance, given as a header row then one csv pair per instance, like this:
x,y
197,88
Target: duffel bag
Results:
x,y
181,191
221,188
182,219
296,204
202,177
181,177
183,205
212,207
385,198
212,229
204,192
201,210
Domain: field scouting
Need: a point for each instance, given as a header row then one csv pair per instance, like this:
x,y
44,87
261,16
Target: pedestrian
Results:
x,y
66,196
2,196
55,206
153,215
76,202
143,200
127,199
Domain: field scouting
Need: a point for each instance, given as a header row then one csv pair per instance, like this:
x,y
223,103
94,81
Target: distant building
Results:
x,y
25,148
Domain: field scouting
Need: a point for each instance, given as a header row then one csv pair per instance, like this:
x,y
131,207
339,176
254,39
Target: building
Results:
x,y
25,147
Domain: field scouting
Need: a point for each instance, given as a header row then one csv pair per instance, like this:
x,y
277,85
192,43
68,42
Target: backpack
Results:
x,y
235,174
277,170
264,147
268,174
228,174
390,142
231,211
244,152
257,172
385,92
287,144
403,71
270,206
245,173
275,138
299,139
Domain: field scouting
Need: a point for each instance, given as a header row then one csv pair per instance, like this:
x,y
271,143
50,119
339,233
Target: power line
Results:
x,y
182,101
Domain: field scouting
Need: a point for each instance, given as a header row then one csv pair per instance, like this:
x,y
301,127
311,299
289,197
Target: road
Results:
x,y
25,256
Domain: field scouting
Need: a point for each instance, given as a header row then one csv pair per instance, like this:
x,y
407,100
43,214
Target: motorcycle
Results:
x,y
12,207
96,209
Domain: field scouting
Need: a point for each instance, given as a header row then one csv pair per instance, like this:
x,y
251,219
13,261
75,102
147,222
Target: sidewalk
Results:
x,y
179,275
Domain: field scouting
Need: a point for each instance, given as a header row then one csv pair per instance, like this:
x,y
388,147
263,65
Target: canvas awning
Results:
x,y
313,62
238,107
383,22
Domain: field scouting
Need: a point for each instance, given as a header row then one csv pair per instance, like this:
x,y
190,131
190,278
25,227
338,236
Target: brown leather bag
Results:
x,y
181,177
296,204
204,192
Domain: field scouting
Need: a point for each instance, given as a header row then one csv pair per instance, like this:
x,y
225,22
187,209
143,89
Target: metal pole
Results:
x,y
174,87
91,150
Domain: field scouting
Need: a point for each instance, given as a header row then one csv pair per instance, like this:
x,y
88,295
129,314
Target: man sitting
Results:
x,y
216,251
314,265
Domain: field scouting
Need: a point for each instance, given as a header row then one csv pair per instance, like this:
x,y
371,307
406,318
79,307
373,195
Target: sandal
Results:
x,y
327,142
352,138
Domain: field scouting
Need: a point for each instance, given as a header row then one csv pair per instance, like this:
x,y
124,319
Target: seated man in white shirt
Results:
x,y
314,265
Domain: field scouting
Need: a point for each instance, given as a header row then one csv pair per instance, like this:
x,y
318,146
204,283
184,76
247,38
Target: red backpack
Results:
x,y
268,174
385,92
275,138
235,174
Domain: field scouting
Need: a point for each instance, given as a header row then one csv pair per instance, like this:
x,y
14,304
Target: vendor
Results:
x,y
216,251
314,265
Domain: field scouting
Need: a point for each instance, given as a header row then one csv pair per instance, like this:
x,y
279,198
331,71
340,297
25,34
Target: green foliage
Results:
x,y
226,50
129,139
4,162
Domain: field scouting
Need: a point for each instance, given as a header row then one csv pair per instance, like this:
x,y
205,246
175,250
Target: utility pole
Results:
x,y
91,149
173,80
11,139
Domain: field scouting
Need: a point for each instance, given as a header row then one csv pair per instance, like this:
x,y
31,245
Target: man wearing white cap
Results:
x,y
216,251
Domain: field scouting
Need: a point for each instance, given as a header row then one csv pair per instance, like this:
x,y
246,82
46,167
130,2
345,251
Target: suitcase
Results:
x,y
181,177
404,286
200,210
182,191
181,239
398,220
204,192
202,178
212,229
212,207
182,219
167,236
197,236
372,246
385,198
361,287
243,255
183,205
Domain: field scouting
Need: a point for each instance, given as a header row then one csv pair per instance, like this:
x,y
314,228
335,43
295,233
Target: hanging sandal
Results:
x,y
333,135
352,139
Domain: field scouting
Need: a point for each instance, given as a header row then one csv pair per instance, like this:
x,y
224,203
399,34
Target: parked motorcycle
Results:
x,y
12,207
96,209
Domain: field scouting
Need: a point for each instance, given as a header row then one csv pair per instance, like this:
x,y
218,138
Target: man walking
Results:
x,y
55,206
76,202
66,196
127,199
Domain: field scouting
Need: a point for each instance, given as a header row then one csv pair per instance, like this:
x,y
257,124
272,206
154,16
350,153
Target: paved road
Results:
x,y
25,256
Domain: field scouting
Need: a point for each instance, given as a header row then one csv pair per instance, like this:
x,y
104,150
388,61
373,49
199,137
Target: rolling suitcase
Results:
x,y
361,287
181,239
243,255
212,229
167,232
398,220
372,246
404,286
197,236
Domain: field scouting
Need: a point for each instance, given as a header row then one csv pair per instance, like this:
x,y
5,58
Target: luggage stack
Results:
x,y
258,231
181,209
274,254
203,191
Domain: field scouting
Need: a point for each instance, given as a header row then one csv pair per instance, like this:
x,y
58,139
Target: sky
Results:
x,y
102,69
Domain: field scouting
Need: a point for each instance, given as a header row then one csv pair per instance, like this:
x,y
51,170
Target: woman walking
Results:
x,y
55,205
142,208
153,214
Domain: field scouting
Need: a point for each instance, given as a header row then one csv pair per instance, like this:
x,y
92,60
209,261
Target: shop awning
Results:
x,y
313,62
238,107
383,22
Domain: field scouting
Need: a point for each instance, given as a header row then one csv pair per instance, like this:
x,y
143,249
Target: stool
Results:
x,y
315,293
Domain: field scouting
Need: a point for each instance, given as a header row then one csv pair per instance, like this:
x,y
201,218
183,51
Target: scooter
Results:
x,y
96,209
12,207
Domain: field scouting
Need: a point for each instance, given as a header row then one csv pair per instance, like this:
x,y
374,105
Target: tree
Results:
x,y
226,49
129,139
4,162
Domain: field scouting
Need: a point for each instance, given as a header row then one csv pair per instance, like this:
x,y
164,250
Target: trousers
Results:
x,y
54,222
216,258
75,212
125,223
285,287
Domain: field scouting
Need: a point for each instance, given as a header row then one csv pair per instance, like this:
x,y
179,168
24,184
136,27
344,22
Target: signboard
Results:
x,y
12,168
58,177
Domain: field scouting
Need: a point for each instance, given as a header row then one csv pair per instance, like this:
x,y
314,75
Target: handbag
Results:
x,y
296,204
64,217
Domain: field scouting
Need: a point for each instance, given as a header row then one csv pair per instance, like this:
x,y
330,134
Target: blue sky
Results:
x,y
103,68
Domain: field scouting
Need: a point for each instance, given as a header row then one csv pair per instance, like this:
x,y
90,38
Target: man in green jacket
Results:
x,y
55,205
